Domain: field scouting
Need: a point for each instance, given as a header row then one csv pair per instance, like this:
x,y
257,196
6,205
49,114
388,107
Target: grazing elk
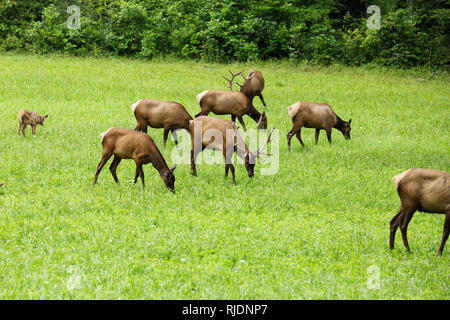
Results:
x,y
253,85
315,115
230,102
161,114
425,190
29,118
231,142
129,144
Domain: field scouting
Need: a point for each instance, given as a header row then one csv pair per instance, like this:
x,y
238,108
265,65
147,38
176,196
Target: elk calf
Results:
x,y
230,102
29,118
129,144
315,115
161,114
425,190
231,141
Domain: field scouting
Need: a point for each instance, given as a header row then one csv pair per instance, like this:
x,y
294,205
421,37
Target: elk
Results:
x,y
129,144
230,102
231,142
253,86
161,114
29,118
315,115
426,190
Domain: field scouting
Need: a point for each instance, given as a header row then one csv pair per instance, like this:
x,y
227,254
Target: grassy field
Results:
x,y
315,230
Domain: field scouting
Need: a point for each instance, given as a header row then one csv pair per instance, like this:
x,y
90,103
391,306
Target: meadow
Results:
x,y
317,229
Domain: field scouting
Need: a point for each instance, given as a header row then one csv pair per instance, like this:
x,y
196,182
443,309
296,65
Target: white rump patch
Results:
x,y
134,106
201,95
292,110
399,177
102,135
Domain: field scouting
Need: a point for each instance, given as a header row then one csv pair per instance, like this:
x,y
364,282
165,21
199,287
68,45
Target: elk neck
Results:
x,y
254,114
158,161
339,124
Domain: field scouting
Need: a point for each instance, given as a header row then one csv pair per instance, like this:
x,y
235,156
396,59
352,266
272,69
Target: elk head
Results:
x,y
41,119
346,129
262,122
169,178
250,157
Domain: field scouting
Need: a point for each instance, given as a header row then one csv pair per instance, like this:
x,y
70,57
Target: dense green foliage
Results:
x,y
311,231
412,32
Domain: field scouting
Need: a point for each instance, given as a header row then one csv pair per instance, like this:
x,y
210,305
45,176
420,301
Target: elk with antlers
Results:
x,y
129,144
223,135
253,85
161,114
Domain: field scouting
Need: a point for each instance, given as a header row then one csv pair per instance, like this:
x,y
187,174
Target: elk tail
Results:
x,y
103,134
400,177
135,105
292,110
201,95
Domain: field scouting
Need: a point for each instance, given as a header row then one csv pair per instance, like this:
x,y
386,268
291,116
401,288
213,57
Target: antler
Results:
x,y
264,146
232,78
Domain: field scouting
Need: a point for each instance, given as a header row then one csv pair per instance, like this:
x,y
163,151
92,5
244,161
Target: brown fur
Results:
x,y
161,114
129,144
315,115
29,118
230,102
425,190
253,86
231,142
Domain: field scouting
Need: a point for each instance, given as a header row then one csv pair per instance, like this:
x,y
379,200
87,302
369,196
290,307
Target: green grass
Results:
x,y
309,232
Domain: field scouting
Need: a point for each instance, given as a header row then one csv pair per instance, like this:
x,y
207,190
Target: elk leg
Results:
x,y
289,137
193,158
446,230
141,127
33,130
175,137
408,213
105,158
299,137
329,136
113,167
20,127
231,167
166,134
23,129
202,113
139,172
233,118
262,99
316,136
242,122
395,222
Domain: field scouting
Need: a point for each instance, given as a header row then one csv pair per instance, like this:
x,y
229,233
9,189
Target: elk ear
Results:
x,y
46,116
349,121
263,114
174,167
